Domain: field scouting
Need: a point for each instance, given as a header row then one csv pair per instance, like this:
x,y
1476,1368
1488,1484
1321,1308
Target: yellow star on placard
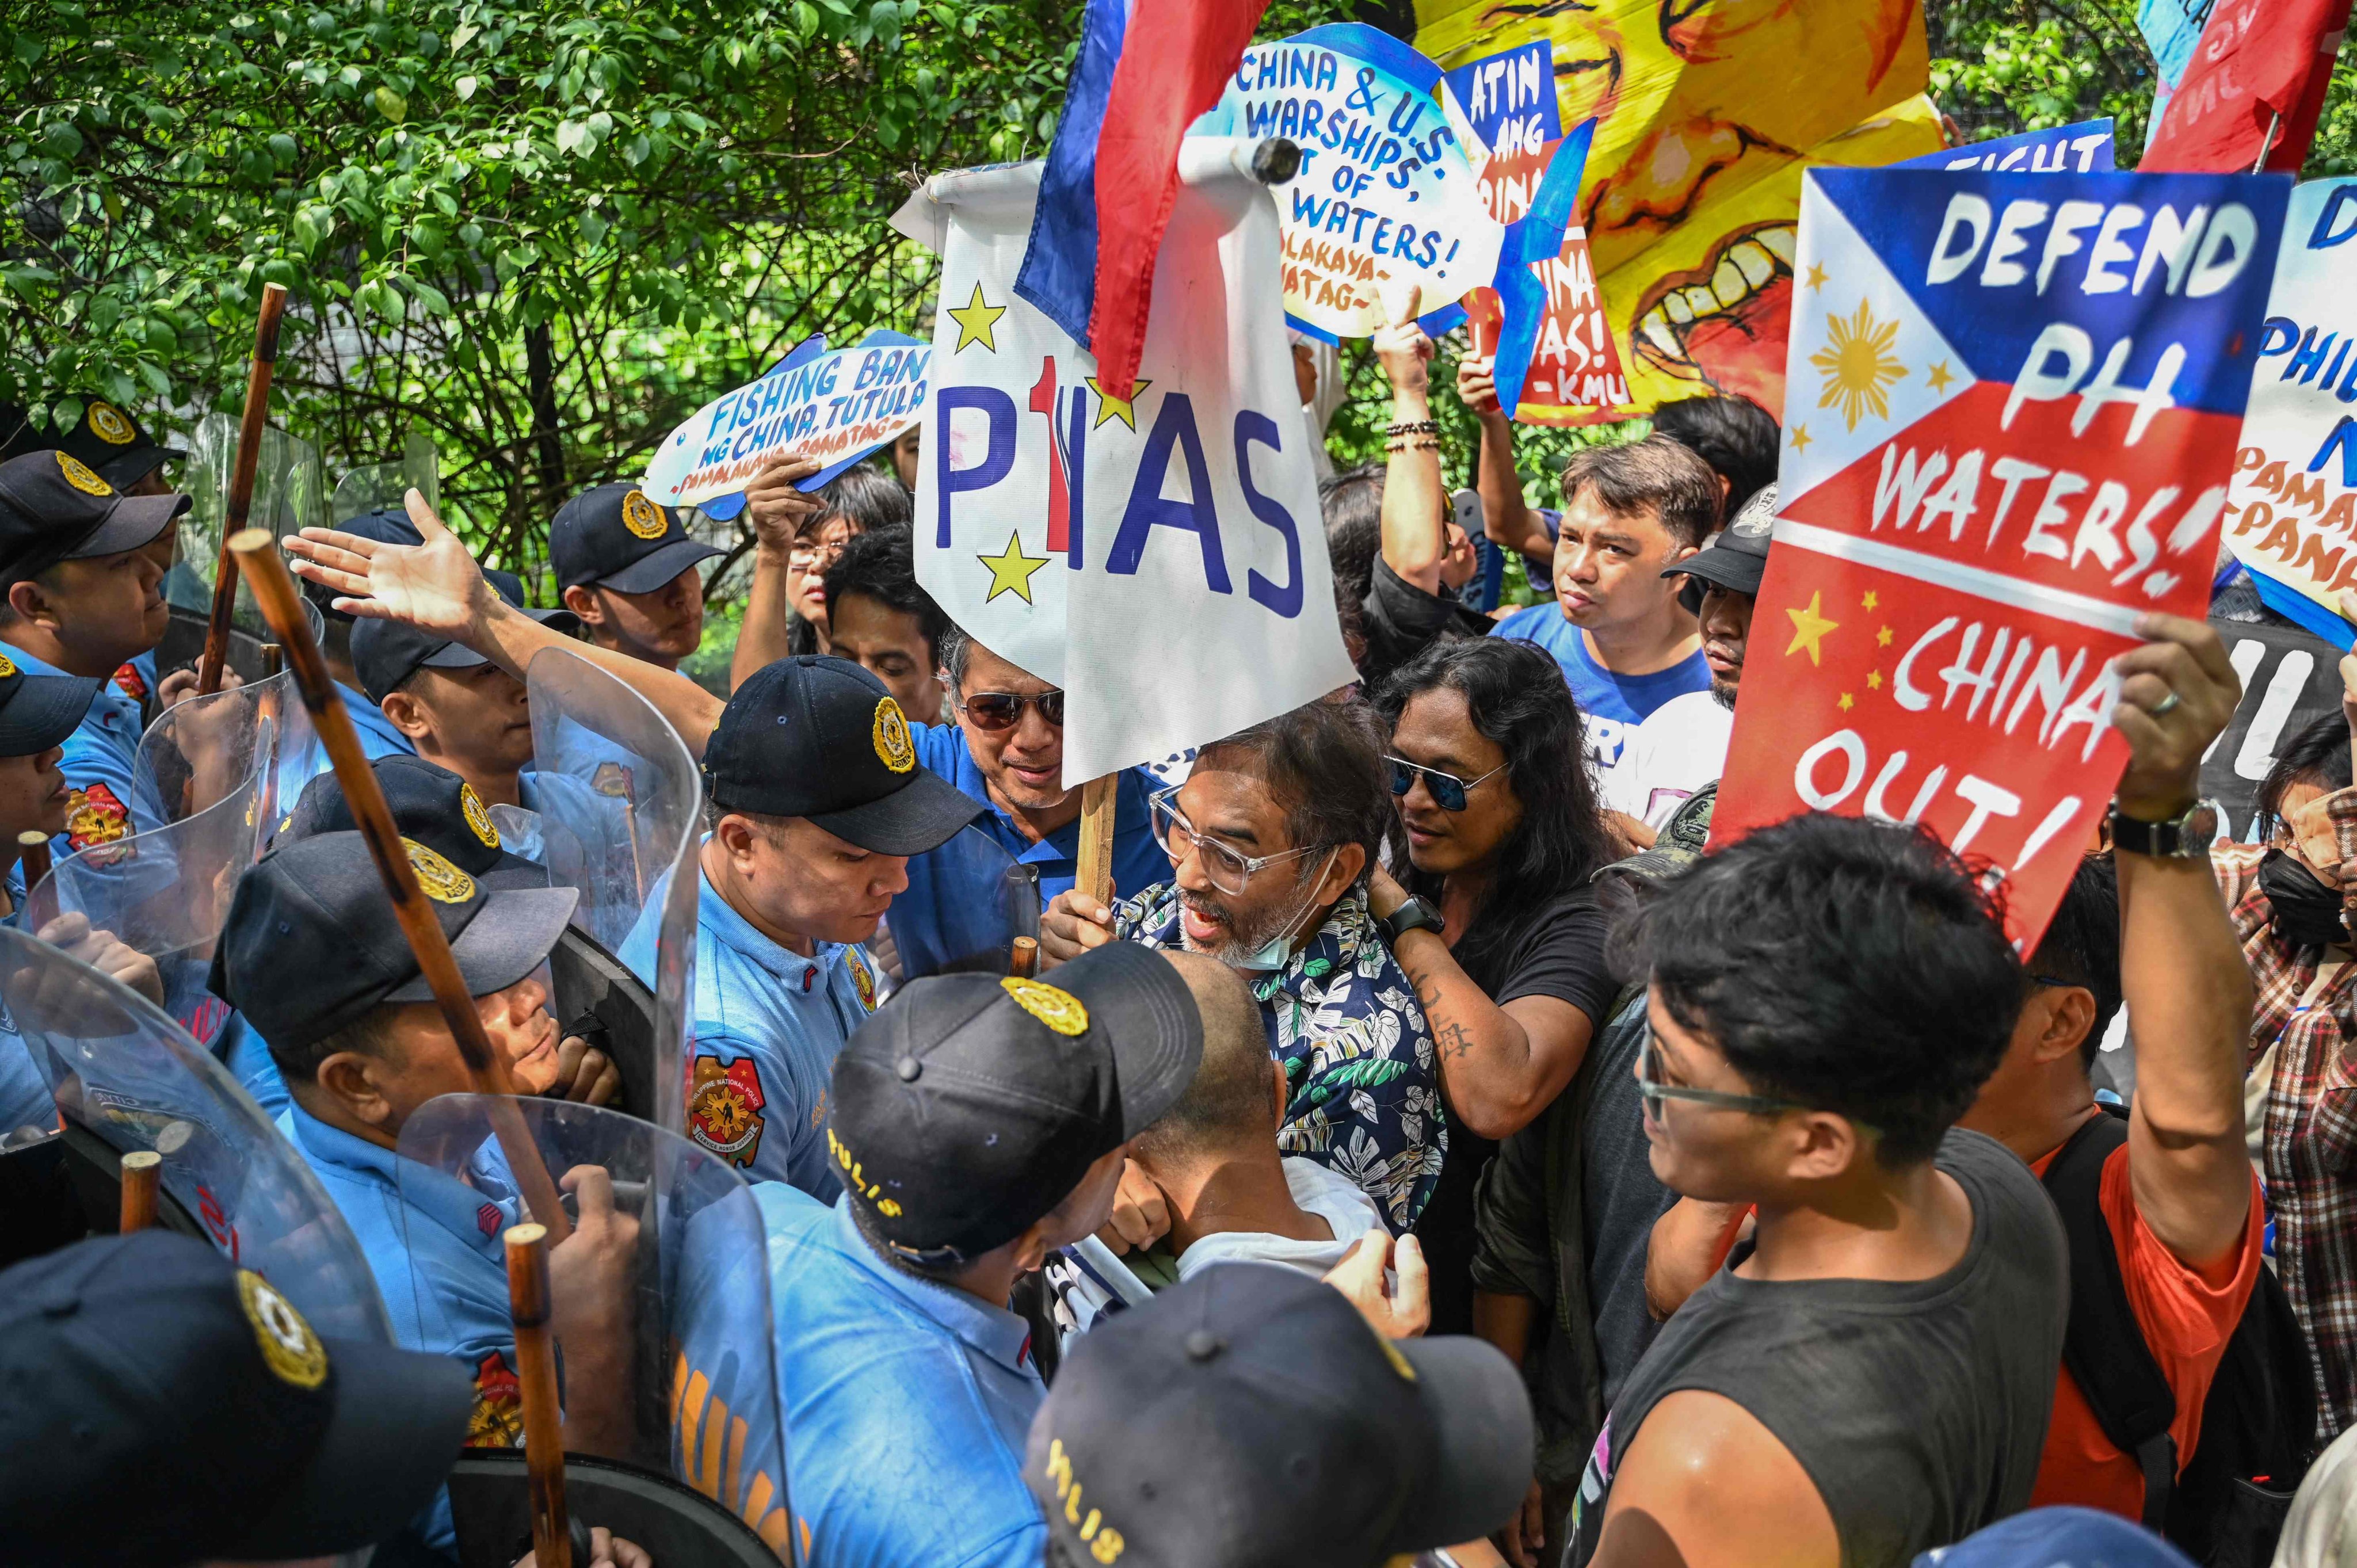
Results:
x,y
975,322
1122,408
1846,702
1011,572
1882,638
1874,680
1800,438
1816,274
1809,628
1938,377
1869,601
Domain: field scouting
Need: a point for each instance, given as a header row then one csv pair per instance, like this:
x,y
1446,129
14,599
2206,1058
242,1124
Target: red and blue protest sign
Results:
x,y
2011,408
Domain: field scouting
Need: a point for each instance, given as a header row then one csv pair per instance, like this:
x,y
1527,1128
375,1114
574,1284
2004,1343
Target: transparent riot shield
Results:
x,y
619,803
675,1323
197,752
385,486
126,1079
290,492
166,892
965,904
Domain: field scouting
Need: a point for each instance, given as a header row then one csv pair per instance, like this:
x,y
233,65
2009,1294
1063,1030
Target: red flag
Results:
x,y
2255,84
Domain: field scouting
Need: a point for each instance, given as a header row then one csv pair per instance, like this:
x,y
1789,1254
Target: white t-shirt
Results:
x,y
1671,753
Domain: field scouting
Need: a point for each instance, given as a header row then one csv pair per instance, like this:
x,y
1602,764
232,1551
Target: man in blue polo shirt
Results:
x,y
816,802
978,1124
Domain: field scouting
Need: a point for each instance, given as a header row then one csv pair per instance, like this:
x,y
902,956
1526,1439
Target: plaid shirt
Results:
x,y
2311,1116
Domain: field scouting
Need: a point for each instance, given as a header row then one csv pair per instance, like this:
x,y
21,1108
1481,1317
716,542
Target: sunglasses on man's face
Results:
x,y
998,710
1448,789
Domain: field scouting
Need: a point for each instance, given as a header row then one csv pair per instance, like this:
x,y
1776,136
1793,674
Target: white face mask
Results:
x,y
1271,955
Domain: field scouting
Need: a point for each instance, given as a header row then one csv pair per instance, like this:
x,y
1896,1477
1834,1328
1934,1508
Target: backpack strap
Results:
x,y
2102,1345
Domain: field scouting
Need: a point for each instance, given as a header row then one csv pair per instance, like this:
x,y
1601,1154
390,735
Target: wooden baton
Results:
x,y
140,1170
273,589
241,484
1095,868
543,1417
33,854
1023,958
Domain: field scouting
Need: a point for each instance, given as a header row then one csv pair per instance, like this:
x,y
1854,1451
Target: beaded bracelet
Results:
x,y
1414,427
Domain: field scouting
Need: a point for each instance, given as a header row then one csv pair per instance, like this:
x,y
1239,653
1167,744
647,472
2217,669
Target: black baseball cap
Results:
x,y
823,739
387,525
431,805
37,712
19,434
1737,555
109,441
312,943
53,508
972,1106
387,652
618,537
165,1406
1250,1418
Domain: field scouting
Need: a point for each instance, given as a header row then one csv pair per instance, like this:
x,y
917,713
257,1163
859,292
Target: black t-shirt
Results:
x,y
1402,620
1557,951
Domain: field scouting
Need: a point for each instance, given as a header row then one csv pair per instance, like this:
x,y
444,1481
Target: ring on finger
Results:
x,y
2166,705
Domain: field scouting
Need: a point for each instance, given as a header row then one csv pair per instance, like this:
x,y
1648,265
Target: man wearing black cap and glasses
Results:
x,y
627,569
977,1124
84,597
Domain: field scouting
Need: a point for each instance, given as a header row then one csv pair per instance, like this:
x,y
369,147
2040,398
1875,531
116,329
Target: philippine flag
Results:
x,y
1145,73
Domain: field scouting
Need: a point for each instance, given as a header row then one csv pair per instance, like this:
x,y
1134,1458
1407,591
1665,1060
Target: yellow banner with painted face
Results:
x,y
1707,110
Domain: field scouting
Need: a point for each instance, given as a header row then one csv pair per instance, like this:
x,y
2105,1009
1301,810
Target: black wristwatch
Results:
x,y
1415,915
2187,836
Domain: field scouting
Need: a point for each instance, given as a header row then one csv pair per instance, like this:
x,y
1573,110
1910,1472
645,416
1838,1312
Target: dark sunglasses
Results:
x,y
1448,789
995,711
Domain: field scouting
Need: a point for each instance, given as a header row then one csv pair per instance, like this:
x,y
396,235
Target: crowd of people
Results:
x,y
1425,1151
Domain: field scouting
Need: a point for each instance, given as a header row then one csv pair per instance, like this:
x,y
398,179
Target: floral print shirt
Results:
x,y
1363,1096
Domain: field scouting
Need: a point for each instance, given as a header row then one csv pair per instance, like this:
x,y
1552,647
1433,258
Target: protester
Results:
x,y
1625,642
1497,931
1740,440
314,959
1224,1193
880,621
83,598
455,708
977,1125
852,502
905,453
166,1407
627,569
1247,1418
1351,506
1269,843
815,800
1873,1377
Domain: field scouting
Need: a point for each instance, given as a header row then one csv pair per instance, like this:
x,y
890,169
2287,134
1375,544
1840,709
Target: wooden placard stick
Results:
x,y
141,1169
241,484
1095,875
33,854
543,1416
273,589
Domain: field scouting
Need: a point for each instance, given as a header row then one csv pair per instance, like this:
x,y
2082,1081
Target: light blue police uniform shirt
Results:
x,y
771,1016
1610,706
97,764
247,1056
907,1403
378,735
1138,862
24,1098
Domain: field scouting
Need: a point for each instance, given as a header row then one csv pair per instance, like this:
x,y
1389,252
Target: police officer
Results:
x,y
379,737
627,569
84,597
112,443
816,802
315,958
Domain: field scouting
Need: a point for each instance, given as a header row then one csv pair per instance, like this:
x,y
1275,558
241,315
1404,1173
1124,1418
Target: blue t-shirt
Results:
x,y
907,1403
1610,705
1138,862
769,1025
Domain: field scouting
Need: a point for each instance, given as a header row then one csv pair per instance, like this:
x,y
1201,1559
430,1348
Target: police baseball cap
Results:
x,y
1250,1418
616,537
109,442
37,712
387,652
823,739
431,805
312,943
387,525
1737,555
972,1106
53,508
19,434
165,1406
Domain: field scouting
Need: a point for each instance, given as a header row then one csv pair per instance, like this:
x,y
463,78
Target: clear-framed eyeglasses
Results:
x,y
1229,870
1651,1088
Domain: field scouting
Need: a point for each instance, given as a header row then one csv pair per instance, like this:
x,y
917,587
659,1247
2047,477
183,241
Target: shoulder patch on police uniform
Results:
x,y
472,805
107,423
79,476
1058,1009
94,816
723,1107
443,882
497,1420
127,681
893,747
288,1346
8,667
642,516
862,981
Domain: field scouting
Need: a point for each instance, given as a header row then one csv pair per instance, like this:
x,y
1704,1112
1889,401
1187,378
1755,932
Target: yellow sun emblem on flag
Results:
x,y
1856,365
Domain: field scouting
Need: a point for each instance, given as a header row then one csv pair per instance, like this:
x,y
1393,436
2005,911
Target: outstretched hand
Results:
x,y
435,587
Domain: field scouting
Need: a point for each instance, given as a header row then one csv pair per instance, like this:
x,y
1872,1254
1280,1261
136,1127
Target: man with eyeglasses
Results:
x,y
1268,843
